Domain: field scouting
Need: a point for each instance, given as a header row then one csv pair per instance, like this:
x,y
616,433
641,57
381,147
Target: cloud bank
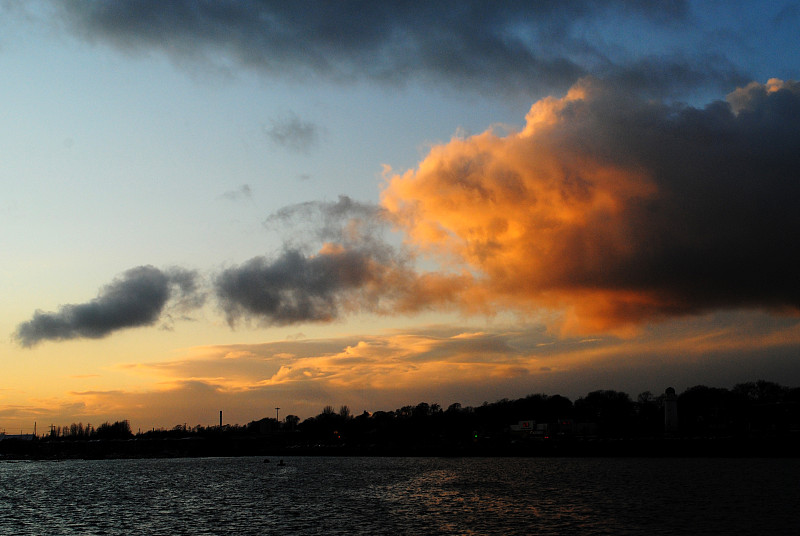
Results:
x,y
523,47
619,209
137,298
443,364
607,209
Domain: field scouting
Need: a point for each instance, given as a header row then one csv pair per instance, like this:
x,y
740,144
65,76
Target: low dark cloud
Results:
x,y
336,261
292,133
137,298
522,47
294,288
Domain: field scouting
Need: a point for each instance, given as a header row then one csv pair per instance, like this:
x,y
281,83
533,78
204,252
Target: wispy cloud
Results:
x,y
293,133
441,364
245,191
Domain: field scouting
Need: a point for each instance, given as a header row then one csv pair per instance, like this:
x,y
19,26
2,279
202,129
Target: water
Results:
x,y
405,496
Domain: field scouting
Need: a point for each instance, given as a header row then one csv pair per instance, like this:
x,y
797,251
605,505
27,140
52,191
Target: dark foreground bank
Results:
x,y
12,449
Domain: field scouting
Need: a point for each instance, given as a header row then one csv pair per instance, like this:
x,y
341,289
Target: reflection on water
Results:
x,y
401,496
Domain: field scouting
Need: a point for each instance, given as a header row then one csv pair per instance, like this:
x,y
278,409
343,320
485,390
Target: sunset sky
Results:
x,y
244,205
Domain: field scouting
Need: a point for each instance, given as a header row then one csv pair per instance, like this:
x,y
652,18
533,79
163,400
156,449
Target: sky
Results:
x,y
242,206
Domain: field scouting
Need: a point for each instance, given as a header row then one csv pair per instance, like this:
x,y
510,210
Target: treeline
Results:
x,y
752,411
77,431
759,408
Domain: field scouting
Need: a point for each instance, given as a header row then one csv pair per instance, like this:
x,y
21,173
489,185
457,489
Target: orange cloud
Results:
x,y
440,364
615,210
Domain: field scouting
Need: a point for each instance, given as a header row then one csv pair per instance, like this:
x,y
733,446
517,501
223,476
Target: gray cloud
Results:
x,y
521,47
345,221
306,283
339,263
336,260
137,298
293,133
243,192
294,288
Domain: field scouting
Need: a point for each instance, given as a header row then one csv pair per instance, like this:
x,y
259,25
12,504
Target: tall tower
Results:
x,y
670,411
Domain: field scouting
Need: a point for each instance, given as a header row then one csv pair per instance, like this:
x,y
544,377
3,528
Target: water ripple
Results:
x,y
403,496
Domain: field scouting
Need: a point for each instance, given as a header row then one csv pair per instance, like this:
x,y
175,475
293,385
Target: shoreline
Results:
x,y
754,447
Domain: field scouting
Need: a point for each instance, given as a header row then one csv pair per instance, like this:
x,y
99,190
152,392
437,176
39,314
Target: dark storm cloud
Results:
x,y
668,76
513,46
292,133
620,209
137,298
724,232
720,229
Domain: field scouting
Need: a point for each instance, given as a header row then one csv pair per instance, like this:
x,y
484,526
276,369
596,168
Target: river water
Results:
x,y
405,496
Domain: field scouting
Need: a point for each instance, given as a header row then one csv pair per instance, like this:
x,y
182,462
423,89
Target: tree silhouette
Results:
x,y
117,430
612,411
292,421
